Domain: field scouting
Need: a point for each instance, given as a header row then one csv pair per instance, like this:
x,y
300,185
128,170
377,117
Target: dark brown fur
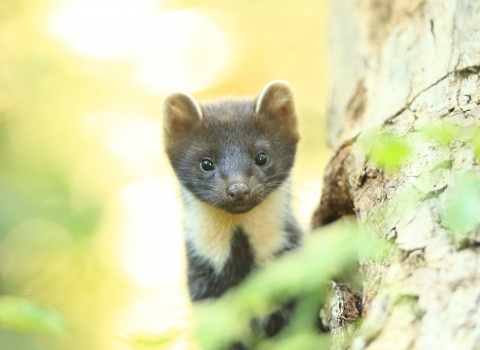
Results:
x,y
231,133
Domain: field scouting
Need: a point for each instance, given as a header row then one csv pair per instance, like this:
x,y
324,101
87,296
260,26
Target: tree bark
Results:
x,y
398,66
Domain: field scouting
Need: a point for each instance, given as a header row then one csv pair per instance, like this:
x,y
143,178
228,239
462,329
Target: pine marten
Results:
x,y
233,160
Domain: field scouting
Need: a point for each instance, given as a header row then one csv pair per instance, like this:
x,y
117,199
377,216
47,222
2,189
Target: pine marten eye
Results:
x,y
261,159
207,165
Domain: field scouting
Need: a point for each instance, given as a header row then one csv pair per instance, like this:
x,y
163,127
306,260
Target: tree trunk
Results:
x,y
399,66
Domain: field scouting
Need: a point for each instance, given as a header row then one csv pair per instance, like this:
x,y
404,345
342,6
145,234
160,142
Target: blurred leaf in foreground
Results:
x,y
304,271
158,341
463,205
299,340
389,151
476,144
443,134
24,315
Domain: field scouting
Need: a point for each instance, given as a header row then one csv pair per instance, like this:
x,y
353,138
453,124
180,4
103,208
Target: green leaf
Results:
x,y
443,134
463,206
300,340
159,341
25,315
476,144
388,151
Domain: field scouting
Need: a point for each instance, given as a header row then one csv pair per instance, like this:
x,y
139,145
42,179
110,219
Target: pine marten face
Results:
x,y
231,154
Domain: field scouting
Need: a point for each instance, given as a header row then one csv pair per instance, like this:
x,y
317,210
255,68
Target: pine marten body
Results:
x,y
233,160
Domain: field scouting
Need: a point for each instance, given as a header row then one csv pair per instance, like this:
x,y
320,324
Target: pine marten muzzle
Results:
x,y
233,160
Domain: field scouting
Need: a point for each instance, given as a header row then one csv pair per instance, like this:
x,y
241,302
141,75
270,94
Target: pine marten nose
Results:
x,y
238,192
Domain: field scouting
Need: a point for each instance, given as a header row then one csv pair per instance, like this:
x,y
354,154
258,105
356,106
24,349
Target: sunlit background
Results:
x,y
90,215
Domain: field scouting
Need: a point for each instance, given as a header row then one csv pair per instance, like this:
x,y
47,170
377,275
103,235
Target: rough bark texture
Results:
x,y
400,65
342,307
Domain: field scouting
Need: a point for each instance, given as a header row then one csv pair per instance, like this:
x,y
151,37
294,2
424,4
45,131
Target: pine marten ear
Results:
x,y
180,112
276,102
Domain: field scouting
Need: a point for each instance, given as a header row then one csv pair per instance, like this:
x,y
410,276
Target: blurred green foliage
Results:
x,y
461,203
47,217
24,315
463,206
389,151
302,274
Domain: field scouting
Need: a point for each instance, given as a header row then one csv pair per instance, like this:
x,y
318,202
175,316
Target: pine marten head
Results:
x,y
232,154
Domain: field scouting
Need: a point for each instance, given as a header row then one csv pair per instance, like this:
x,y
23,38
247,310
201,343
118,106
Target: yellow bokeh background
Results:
x,y
90,216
